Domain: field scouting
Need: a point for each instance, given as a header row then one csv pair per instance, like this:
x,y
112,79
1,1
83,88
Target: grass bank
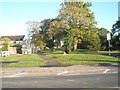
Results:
x,y
31,60
82,58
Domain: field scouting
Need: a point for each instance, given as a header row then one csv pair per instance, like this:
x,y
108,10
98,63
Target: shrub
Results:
x,y
17,45
5,47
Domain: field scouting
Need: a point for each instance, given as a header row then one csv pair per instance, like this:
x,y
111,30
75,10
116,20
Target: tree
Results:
x,y
78,19
56,31
36,34
116,27
74,24
5,42
102,32
91,40
116,35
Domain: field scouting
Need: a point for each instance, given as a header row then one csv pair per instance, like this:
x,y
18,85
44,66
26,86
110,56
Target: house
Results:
x,y
16,39
19,44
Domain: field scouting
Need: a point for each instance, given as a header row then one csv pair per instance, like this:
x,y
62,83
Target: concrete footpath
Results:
x,y
56,71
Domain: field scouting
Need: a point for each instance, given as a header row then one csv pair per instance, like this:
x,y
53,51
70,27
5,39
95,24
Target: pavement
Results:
x,y
58,71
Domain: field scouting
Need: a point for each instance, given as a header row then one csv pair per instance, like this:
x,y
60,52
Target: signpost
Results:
x,y
109,38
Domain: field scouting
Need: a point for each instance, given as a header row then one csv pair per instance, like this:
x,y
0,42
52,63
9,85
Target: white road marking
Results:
x,y
112,72
88,74
77,71
63,73
106,70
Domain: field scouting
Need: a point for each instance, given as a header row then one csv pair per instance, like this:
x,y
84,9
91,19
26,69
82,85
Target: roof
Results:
x,y
14,37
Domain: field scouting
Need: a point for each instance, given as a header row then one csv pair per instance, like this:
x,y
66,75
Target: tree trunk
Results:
x,y
74,46
75,43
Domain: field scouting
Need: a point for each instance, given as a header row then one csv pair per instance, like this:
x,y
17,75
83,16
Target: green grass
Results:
x,y
30,57
26,64
80,58
9,58
14,57
31,60
82,62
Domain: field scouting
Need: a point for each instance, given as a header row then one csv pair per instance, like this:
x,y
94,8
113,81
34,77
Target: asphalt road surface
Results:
x,y
109,80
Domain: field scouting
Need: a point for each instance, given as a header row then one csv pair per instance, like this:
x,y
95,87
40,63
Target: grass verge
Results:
x,y
31,60
79,58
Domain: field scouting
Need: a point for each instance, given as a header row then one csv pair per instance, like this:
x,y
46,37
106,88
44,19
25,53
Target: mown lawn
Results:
x,y
31,60
80,58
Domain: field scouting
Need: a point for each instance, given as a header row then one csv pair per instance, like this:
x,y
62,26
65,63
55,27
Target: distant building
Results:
x,y
18,40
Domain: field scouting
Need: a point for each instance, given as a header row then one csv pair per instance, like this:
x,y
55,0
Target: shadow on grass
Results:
x,y
94,60
45,53
56,66
110,65
117,55
9,62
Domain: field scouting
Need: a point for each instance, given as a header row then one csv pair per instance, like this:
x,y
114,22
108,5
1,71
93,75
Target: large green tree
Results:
x,y
74,24
78,19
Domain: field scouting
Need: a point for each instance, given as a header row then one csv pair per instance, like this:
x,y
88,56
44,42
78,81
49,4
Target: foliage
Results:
x,y
50,44
68,41
78,18
5,40
116,35
40,37
115,42
102,32
91,40
74,25
5,47
17,45
35,34
116,27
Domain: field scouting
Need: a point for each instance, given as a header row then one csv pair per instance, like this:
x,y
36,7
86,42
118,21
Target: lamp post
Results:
x,y
109,38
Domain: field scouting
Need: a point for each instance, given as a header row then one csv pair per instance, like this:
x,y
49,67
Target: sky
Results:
x,y
14,15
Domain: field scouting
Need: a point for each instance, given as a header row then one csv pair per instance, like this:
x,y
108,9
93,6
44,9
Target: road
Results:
x,y
108,80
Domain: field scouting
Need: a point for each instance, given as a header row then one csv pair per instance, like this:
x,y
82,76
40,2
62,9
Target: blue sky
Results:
x,y
14,15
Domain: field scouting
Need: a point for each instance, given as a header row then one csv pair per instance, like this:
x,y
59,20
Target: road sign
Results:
x,y
108,36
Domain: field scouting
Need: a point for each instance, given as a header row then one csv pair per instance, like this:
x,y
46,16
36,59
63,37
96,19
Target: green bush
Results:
x,y
17,45
5,47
